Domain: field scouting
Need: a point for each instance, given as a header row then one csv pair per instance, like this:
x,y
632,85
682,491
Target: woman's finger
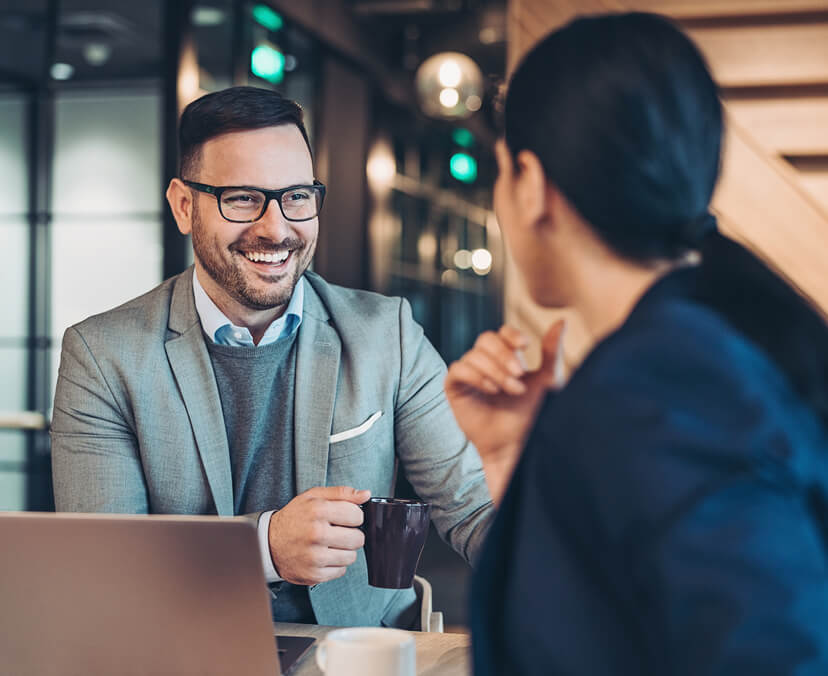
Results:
x,y
515,338
493,369
461,374
501,352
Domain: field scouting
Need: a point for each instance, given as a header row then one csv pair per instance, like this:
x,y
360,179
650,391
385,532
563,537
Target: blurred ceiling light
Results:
x,y
268,63
439,74
463,259
62,71
381,167
206,16
481,260
463,167
489,35
450,73
473,102
448,277
268,18
449,97
97,53
189,80
463,137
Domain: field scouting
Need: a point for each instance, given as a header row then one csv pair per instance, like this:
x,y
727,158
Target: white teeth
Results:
x,y
259,256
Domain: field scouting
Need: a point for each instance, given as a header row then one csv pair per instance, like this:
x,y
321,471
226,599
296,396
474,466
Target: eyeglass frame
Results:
x,y
217,190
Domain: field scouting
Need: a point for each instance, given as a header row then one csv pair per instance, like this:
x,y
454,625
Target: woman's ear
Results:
x,y
531,188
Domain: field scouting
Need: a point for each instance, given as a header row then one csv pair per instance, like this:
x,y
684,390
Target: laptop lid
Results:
x,y
106,594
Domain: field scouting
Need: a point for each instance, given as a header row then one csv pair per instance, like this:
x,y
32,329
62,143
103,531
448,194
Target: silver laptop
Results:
x,y
100,594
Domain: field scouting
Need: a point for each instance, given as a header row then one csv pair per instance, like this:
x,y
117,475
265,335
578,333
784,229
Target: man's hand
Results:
x,y
495,400
314,537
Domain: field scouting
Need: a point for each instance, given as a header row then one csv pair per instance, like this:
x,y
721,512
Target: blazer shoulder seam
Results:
x,y
100,371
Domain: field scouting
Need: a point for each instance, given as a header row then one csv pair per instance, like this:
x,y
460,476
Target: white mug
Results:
x,y
367,651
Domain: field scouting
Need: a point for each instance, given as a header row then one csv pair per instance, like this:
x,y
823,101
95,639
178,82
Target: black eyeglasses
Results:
x,y
243,204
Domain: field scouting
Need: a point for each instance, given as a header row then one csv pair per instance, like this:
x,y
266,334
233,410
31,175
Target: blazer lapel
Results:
x,y
193,371
317,370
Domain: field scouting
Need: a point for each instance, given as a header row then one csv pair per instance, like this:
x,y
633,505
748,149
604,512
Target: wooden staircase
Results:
x,y
770,58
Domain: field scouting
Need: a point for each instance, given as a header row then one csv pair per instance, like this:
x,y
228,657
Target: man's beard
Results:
x,y
228,274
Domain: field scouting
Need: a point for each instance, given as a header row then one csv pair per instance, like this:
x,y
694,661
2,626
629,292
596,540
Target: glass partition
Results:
x,y
15,255
106,228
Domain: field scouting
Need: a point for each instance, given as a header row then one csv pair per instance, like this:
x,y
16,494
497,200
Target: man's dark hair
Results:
x,y
229,110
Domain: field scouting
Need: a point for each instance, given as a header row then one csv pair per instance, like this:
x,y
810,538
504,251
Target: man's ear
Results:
x,y
180,199
532,189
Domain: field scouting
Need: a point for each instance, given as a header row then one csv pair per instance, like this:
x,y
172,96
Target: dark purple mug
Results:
x,y
395,532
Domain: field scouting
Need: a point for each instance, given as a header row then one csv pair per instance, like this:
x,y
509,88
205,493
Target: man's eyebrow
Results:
x,y
308,183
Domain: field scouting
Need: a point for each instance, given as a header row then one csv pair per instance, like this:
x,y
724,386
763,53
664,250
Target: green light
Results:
x,y
463,167
267,17
463,137
268,63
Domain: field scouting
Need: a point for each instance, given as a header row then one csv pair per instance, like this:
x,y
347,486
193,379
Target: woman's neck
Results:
x,y
607,288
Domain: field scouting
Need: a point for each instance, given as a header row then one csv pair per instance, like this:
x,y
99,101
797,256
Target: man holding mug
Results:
x,y
247,385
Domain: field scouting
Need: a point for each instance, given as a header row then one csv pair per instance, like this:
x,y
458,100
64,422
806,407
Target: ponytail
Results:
x,y
771,314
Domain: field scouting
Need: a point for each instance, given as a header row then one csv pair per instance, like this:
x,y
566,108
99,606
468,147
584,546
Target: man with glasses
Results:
x,y
247,385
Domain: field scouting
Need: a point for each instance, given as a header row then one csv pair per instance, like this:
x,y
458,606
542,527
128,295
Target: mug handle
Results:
x,y
322,655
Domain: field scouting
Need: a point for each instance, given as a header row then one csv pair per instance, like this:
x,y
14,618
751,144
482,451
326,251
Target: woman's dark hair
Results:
x,y
228,110
626,120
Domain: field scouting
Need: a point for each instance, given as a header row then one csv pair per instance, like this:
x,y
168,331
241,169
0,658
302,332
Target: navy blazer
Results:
x,y
668,516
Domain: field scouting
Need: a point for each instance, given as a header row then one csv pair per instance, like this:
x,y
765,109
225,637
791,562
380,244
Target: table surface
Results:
x,y
437,654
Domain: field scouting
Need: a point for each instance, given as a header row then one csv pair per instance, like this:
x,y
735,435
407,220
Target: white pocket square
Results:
x,y
356,431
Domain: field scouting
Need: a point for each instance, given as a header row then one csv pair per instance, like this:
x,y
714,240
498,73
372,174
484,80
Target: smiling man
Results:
x,y
247,385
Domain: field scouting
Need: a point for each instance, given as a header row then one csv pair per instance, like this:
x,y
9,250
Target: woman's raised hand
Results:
x,y
495,399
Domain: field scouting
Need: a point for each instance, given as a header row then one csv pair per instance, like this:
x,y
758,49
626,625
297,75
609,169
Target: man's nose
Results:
x,y
273,224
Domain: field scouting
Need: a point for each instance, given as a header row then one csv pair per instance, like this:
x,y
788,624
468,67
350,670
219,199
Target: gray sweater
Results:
x,y
255,386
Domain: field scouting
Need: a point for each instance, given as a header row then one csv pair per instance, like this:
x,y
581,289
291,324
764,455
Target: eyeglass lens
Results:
x,y
249,205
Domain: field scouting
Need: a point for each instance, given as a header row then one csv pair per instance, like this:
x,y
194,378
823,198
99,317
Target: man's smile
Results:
x,y
274,258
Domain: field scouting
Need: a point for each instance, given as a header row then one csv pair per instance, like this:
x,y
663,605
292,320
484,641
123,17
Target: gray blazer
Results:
x,y
137,424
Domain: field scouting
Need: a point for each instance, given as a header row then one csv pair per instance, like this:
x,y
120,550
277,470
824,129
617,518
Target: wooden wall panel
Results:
x,y
749,55
812,173
704,9
816,185
763,205
766,55
784,125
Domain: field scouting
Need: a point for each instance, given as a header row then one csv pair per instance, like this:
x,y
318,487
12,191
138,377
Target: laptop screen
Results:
x,y
105,594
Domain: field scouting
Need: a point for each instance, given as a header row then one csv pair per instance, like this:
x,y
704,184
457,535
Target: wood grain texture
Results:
x,y
790,125
766,55
703,9
765,206
813,176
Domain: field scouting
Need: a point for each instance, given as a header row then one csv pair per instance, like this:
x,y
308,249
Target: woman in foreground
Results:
x,y
664,512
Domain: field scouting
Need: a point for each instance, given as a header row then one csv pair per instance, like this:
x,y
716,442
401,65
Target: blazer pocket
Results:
x,y
357,431
356,440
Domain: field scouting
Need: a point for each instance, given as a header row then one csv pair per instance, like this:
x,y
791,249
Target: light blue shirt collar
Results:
x,y
222,331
